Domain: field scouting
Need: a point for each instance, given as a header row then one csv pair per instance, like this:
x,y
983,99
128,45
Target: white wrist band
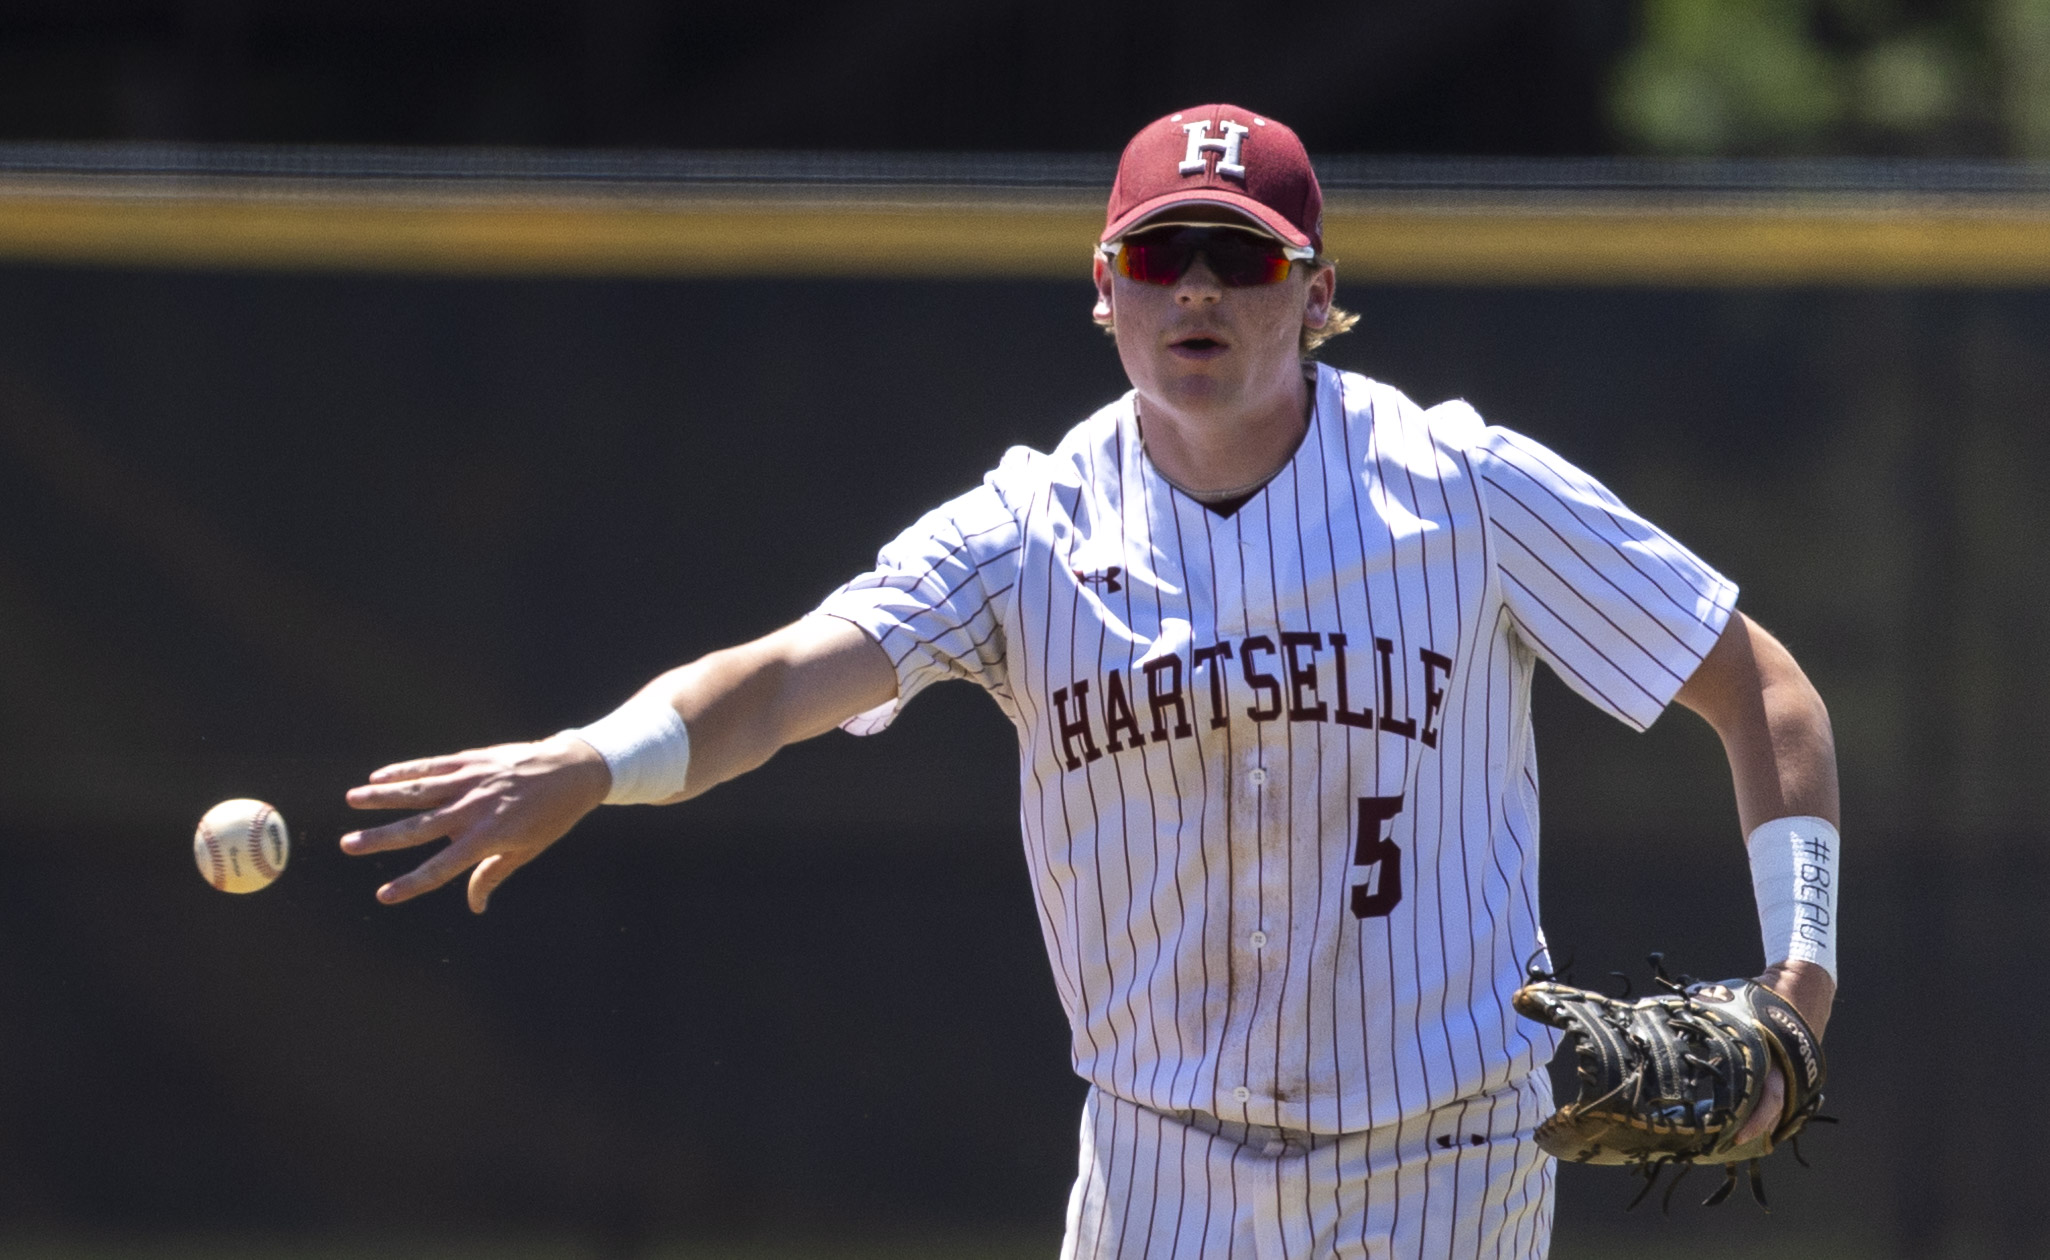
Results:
x,y
646,746
1794,873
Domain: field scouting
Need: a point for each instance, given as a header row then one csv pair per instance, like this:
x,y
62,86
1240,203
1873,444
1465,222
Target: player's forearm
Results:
x,y
1773,725
1782,756
730,701
1800,747
743,704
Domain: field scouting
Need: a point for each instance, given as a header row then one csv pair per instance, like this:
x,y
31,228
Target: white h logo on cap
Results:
x,y
1227,149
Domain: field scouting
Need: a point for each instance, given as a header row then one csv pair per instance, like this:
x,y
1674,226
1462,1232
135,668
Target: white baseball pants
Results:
x,y
1461,1183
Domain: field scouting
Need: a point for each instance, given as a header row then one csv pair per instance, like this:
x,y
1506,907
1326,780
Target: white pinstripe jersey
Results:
x,y
1278,791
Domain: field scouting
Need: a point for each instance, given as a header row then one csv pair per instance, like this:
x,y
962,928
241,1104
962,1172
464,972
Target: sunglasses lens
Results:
x,y
1237,258
1241,259
1156,258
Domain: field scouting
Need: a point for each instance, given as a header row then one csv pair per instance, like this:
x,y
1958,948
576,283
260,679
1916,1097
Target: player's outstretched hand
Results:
x,y
499,807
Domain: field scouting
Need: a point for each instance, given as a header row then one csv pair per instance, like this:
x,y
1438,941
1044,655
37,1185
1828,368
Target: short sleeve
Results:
x,y
1620,609
935,600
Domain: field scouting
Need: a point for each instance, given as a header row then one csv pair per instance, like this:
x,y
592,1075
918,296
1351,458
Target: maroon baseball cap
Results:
x,y
1219,155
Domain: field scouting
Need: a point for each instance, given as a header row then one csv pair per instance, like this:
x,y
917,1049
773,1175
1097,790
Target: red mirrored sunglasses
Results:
x,y
1238,257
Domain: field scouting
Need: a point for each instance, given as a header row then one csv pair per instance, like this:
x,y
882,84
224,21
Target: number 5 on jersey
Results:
x,y
1377,858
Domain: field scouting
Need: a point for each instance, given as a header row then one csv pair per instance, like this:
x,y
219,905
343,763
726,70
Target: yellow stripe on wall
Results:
x,y
1694,248
804,234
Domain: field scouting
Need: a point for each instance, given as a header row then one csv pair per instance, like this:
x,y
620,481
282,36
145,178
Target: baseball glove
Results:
x,y
1671,1079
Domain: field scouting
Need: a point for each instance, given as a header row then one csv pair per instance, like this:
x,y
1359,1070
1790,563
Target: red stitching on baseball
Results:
x,y
213,856
257,856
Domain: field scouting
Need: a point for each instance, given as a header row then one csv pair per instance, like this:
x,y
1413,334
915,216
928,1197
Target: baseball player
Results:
x,y
1267,632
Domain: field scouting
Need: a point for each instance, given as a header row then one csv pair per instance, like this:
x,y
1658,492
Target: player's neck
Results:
x,y
1207,453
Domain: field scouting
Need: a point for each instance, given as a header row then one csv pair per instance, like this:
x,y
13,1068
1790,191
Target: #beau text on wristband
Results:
x,y
1794,873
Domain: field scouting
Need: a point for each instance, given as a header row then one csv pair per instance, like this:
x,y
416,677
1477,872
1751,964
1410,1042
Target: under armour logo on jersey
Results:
x,y
1109,578
1226,149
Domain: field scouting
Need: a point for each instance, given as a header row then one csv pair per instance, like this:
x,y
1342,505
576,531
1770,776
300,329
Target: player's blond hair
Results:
x,y
1337,322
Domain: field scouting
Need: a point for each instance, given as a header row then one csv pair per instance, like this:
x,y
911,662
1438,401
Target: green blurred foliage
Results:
x,y
1736,77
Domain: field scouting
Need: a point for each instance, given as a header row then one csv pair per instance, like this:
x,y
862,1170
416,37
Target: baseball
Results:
x,y
241,846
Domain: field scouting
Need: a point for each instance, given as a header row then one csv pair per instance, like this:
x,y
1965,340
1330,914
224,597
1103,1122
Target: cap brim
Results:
x,y
1221,197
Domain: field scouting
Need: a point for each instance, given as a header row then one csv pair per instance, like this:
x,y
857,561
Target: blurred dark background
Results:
x,y
263,530
1493,77
923,74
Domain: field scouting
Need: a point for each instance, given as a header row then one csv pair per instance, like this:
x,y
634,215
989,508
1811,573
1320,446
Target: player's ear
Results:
x,y
1101,273
1318,297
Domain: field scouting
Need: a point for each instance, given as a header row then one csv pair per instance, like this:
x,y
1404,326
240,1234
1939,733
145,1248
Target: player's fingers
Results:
x,y
418,793
1767,1116
403,834
421,767
429,875
490,873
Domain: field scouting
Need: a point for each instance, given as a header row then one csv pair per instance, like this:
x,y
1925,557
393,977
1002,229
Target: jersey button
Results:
x,y
1242,1094
1259,940
1257,776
